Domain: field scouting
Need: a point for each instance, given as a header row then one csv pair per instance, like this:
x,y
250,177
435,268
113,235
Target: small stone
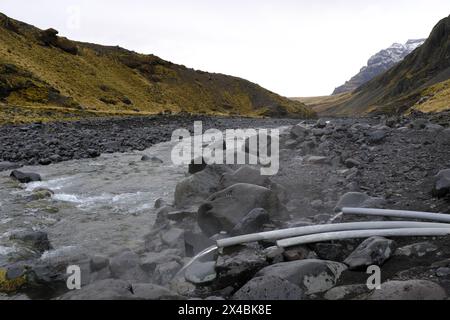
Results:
x,y
25,177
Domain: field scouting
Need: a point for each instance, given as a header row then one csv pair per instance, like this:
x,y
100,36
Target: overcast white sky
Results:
x,y
295,48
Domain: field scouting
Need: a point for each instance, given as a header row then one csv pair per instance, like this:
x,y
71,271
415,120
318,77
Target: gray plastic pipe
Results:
x,y
302,231
342,235
397,214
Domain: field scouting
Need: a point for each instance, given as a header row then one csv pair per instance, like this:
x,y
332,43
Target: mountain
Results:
x,y
47,77
420,82
379,63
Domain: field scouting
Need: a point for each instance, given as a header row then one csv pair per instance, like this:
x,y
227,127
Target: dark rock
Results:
x,y
126,266
244,174
159,203
372,251
199,186
358,200
38,240
165,272
236,265
269,288
153,259
225,209
377,136
352,163
298,253
197,165
442,183
252,222
98,263
45,162
25,177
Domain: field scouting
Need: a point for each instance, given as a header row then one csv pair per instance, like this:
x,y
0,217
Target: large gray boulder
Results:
x,y
244,174
269,288
442,183
312,275
225,209
359,200
197,187
372,251
409,290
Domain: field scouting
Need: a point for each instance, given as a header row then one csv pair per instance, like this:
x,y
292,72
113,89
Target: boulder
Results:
x,y
409,290
237,265
174,239
299,131
126,266
225,209
197,187
253,222
358,200
165,272
416,250
311,275
36,240
152,259
442,183
372,251
25,177
244,174
269,288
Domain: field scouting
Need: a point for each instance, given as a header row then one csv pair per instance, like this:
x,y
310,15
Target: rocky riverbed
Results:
x,y
125,253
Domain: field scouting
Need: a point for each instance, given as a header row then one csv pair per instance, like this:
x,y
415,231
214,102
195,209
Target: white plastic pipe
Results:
x,y
397,214
341,235
301,231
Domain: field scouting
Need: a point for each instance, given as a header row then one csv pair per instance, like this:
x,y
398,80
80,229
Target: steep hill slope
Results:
x,y
420,81
379,63
47,77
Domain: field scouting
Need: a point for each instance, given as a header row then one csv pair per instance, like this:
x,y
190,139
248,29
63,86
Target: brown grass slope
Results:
x,y
47,77
420,81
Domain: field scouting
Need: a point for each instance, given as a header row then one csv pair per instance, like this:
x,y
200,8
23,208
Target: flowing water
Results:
x,y
99,205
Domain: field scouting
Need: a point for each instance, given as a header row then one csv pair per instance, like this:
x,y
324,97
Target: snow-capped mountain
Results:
x,y
379,63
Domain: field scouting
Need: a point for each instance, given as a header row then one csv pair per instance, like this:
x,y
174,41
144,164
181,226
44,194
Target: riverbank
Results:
x,y
45,143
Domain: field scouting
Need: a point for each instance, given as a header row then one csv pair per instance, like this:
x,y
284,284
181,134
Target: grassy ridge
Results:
x,y
46,77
